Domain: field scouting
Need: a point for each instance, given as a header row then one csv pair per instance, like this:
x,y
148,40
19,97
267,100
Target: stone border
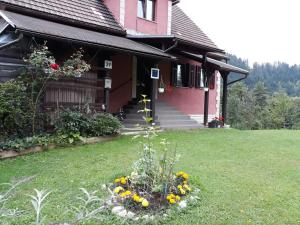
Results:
x,y
13,154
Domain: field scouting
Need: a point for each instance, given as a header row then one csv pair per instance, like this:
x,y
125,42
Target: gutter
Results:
x,y
240,79
12,42
172,47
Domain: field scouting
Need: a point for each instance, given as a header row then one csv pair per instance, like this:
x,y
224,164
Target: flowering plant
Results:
x,y
217,122
153,185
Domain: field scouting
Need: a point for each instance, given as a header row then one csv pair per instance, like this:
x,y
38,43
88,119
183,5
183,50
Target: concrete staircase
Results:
x,y
170,118
167,117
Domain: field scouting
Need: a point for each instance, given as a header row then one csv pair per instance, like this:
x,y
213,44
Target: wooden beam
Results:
x,y
206,106
153,98
225,95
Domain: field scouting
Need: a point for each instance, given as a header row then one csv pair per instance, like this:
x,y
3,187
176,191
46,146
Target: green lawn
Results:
x,y
246,177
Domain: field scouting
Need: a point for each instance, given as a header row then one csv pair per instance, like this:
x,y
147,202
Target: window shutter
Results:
x,y
174,74
197,77
212,81
186,75
192,76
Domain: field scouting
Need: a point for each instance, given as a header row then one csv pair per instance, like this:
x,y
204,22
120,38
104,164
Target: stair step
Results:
x,y
182,126
177,122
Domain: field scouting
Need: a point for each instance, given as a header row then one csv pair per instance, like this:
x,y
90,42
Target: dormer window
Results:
x,y
146,9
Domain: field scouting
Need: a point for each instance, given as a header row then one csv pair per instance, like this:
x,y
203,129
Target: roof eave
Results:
x,y
53,37
200,46
59,19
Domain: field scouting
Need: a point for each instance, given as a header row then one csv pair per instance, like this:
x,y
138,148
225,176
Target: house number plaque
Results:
x,y
108,64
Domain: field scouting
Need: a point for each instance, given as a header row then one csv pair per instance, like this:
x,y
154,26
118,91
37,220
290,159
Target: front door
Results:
x,y
143,84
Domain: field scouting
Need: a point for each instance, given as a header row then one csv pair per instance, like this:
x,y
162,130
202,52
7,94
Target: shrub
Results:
x,y
104,124
72,122
20,144
75,122
14,110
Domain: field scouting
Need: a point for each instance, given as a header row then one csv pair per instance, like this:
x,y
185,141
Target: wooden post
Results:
x,y
225,95
107,88
153,96
206,106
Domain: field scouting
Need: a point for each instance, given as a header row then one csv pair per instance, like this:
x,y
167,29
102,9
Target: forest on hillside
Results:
x,y
268,99
276,76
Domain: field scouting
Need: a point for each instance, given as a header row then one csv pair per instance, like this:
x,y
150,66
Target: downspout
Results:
x,y
12,42
225,92
243,78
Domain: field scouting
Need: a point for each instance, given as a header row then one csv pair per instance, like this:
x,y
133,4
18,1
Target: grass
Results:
x,y
246,177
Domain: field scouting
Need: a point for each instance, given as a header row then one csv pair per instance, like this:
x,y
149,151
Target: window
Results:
x,y
181,75
146,9
199,80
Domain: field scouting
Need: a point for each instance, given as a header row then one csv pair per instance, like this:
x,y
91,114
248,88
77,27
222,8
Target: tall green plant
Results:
x,y
151,173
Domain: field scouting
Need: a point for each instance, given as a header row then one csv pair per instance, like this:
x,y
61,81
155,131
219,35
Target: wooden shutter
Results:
x,y
212,81
197,77
192,76
186,75
174,74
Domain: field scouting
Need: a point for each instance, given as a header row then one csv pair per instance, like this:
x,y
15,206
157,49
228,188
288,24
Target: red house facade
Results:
x,y
132,36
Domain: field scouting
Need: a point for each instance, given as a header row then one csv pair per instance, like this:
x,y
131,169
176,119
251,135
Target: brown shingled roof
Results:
x,y
89,13
185,29
39,27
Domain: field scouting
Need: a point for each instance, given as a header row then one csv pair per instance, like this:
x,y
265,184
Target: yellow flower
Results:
x,y
179,173
117,180
141,199
128,192
136,198
118,189
123,180
182,191
172,201
187,187
185,182
123,195
179,186
185,176
145,203
178,198
169,197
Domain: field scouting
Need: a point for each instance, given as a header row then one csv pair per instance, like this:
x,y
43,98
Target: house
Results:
x,y
124,40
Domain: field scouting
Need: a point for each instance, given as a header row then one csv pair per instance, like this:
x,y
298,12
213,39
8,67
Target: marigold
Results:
x,y
182,191
128,192
136,198
118,189
123,180
172,201
145,203
185,176
123,195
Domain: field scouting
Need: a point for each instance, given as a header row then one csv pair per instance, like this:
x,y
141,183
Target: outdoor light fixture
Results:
x,y
107,82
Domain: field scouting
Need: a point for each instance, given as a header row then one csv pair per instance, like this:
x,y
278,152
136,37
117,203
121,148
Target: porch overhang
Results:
x,y
219,65
182,43
53,30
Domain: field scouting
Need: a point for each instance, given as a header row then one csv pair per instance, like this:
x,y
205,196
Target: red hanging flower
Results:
x,y
54,66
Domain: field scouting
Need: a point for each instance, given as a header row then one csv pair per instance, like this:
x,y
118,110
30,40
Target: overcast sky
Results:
x,y
258,30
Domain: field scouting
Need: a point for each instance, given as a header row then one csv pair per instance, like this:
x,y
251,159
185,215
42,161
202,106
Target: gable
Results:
x,y
88,13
